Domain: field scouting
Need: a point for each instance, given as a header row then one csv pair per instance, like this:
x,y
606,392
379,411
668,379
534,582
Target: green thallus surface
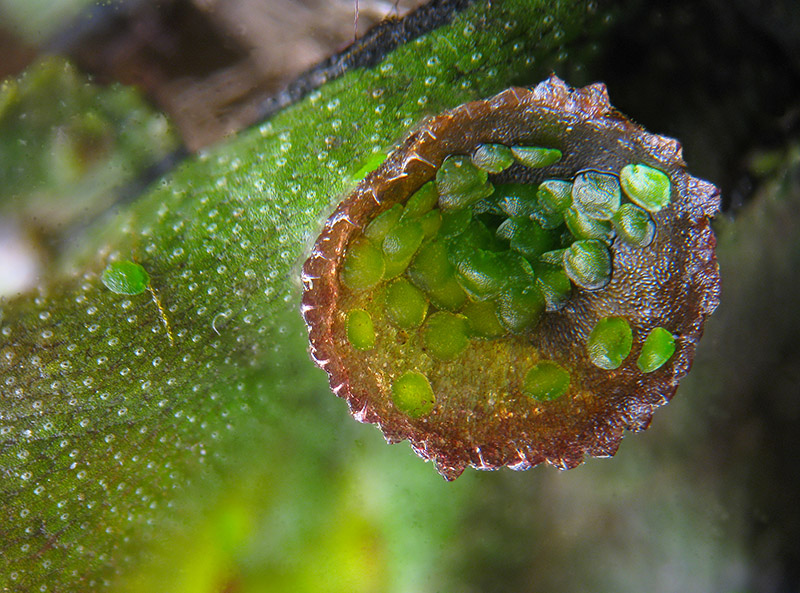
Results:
x,y
467,259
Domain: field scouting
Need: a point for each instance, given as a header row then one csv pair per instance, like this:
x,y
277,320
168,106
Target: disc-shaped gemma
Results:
x,y
645,186
536,156
363,265
610,342
657,349
460,183
125,277
493,158
360,330
445,335
597,195
405,304
634,226
546,381
588,264
412,394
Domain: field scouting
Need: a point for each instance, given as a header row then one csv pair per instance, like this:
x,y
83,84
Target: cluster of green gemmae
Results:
x,y
464,259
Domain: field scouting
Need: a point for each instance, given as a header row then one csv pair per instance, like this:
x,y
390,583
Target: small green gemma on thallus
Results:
x,y
405,304
634,225
555,196
588,264
658,348
360,330
493,158
412,394
399,246
446,335
597,195
125,277
535,157
460,183
645,186
610,343
377,230
364,266
546,381
583,227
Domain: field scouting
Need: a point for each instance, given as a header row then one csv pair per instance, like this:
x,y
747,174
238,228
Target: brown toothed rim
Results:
x,y
675,279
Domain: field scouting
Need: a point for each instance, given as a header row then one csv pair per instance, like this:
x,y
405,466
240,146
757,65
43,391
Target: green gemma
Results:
x,y
445,335
493,158
554,285
405,304
125,277
383,223
399,246
583,227
610,342
482,320
421,201
658,348
433,273
634,226
588,264
520,307
412,394
597,195
363,266
554,195
460,183
646,186
527,236
534,156
360,330
516,199
546,381
481,273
